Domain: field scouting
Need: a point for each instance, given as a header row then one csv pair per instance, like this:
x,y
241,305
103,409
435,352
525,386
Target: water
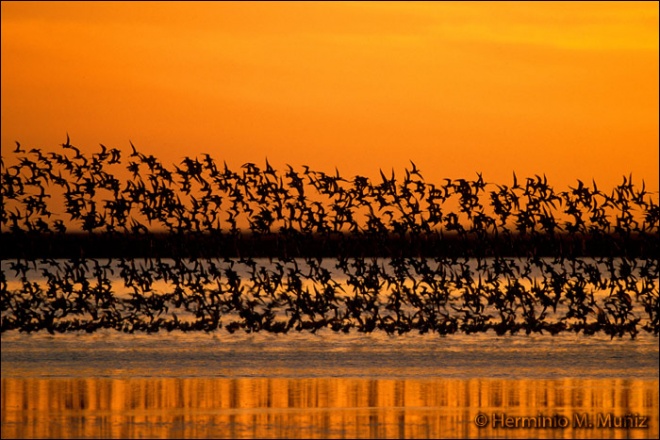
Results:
x,y
326,354
327,385
322,385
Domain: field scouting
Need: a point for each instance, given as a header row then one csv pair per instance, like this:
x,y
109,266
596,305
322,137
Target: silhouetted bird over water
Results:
x,y
392,255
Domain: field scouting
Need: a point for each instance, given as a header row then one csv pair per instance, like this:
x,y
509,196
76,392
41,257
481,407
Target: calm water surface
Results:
x,y
325,385
301,385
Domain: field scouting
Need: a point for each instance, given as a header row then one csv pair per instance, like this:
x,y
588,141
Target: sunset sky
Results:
x,y
566,89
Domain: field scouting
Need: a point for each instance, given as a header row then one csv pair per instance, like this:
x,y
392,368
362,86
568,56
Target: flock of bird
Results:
x,y
50,194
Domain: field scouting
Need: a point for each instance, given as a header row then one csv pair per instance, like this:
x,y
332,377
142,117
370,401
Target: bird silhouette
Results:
x,y
490,244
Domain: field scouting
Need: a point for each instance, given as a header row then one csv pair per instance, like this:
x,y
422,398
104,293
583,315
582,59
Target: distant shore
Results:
x,y
295,244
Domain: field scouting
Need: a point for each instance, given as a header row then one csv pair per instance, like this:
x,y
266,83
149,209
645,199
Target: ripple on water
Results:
x,y
326,354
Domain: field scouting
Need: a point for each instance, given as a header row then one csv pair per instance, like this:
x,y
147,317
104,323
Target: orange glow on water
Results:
x,y
566,89
316,408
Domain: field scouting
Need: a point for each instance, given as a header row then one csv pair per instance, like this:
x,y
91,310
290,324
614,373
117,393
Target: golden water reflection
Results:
x,y
318,407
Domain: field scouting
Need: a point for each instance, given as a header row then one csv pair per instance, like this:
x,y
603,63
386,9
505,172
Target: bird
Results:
x,y
313,214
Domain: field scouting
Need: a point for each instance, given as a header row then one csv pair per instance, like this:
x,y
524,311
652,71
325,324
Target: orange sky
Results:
x,y
567,89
